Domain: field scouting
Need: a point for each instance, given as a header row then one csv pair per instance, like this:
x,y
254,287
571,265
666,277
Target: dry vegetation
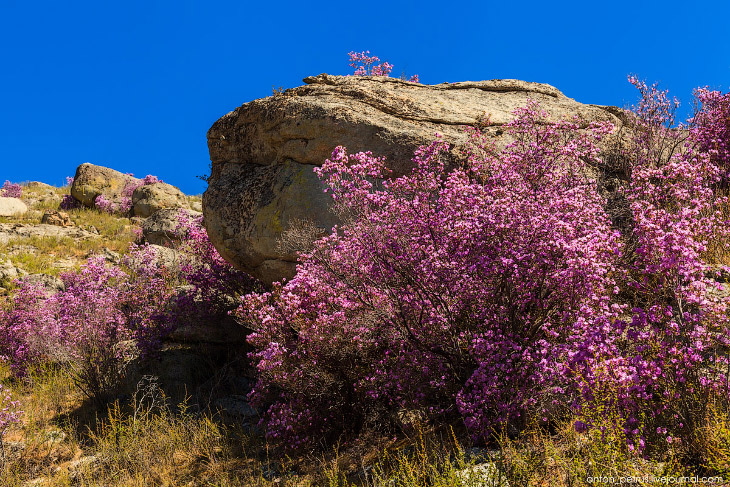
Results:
x,y
147,441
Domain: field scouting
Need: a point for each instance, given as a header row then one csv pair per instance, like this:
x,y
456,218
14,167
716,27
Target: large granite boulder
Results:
x,y
149,198
91,181
263,153
12,206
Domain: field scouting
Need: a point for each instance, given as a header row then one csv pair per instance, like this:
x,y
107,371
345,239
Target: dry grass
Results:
x,y
145,442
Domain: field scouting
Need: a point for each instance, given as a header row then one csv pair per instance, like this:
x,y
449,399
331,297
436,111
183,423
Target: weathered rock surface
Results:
x,y
8,271
12,207
153,197
58,218
9,231
263,153
159,229
91,181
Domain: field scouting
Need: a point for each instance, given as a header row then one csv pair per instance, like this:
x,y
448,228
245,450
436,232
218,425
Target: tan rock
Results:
x,y
263,153
91,181
12,207
59,218
152,197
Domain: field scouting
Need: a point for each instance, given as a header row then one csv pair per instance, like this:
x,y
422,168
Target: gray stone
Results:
x,y
264,152
39,185
108,255
220,332
160,228
9,272
153,197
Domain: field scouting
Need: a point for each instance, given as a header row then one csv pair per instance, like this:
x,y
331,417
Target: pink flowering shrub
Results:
x,y
106,313
89,326
711,128
11,190
364,65
452,293
104,204
500,293
666,360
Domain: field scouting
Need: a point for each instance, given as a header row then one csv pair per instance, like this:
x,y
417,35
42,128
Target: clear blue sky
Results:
x,y
135,85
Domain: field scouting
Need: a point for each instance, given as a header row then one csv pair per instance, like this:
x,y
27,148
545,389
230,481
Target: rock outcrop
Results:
x,y
263,153
12,206
91,181
159,229
149,198
11,231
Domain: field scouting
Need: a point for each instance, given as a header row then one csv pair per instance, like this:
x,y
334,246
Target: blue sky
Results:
x,y
135,85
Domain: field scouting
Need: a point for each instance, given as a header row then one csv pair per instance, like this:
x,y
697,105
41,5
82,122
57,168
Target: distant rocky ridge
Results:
x,y
263,153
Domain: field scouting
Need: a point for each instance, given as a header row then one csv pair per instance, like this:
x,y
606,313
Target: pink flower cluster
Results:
x,y
85,325
711,128
364,65
11,190
68,202
211,279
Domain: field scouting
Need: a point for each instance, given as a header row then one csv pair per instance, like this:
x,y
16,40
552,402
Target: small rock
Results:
x,y
23,249
38,184
64,264
56,436
59,218
14,231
